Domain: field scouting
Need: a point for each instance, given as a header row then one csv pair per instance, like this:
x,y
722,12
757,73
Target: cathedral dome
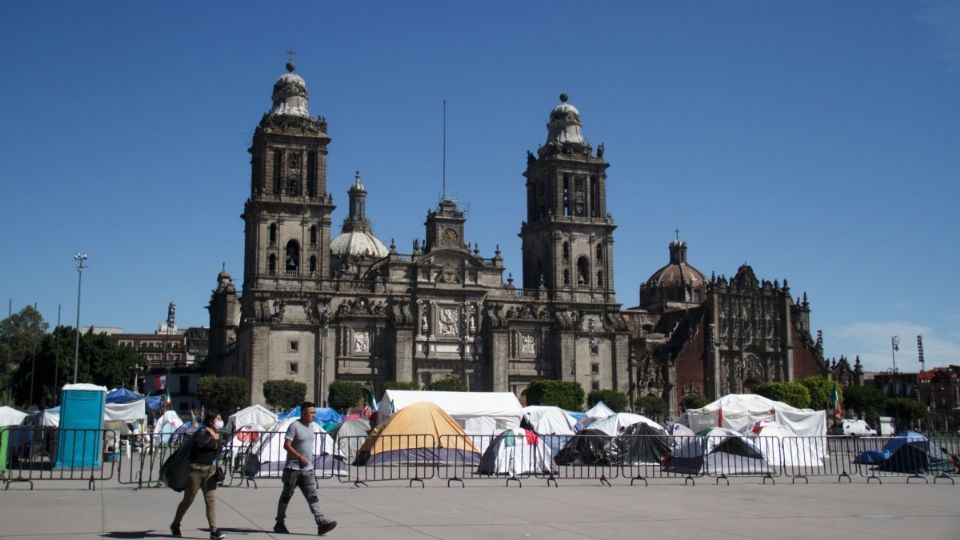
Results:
x,y
677,282
565,126
358,243
290,95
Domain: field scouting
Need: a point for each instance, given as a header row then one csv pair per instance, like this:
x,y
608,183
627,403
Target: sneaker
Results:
x,y
280,528
326,526
175,530
217,535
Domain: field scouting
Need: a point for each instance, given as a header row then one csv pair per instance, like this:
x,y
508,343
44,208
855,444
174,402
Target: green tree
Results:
x,y
564,394
693,400
617,401
865,401
820,389
284,394
906,411
448,384
226,394
653,407
343,395
794,394
21,335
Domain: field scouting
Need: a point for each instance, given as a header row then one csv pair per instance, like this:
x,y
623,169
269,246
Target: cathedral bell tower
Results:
x,y
568,235
287,216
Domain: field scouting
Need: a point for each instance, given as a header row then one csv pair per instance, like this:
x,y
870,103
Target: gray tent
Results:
x,y
349,437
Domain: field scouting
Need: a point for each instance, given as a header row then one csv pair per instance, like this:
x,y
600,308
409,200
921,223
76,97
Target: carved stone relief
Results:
x,y
361,341
448,322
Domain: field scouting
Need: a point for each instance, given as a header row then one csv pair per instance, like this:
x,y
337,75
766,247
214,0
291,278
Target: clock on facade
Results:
x,y
450,237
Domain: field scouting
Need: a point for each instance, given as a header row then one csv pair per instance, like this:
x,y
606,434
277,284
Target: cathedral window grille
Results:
x,y
294,162
566,252
583,272
600,278
273,234
272,264
293,368
595,385
313,264
580,198
599,253
277,171
293,186
566,277
313,236
566,195
312,173
292,265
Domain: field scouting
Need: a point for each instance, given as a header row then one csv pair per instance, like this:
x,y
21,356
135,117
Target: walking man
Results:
x,y
298,472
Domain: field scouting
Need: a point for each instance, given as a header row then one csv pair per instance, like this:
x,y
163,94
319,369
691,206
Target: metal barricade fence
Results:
x,y
725,456
37,453
142,468
250,455
392,457
510,456
806,457
584,457
909,455
643,457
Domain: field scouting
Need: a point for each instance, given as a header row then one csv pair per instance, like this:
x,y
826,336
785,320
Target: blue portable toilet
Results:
x,y
80,436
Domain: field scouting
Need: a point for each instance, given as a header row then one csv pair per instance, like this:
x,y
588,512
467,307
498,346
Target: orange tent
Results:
x,y
419,433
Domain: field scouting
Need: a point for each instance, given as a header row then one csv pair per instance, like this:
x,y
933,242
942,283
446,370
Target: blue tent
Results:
x,y
906,452
325,416
122,395
154,403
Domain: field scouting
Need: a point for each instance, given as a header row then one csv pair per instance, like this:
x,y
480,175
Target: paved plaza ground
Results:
x,y
485,509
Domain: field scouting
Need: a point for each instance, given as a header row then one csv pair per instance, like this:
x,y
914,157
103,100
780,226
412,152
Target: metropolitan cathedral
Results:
x,y
317,309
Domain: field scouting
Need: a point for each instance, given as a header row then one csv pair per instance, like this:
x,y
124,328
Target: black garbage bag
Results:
x,y
175,471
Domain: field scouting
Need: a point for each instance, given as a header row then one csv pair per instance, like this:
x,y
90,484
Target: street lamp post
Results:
x,y
80,258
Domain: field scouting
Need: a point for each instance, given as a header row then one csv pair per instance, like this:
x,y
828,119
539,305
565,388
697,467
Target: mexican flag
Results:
x,y
835,399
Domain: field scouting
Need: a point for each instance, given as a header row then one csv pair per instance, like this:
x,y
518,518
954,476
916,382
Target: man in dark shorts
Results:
x,y
299,443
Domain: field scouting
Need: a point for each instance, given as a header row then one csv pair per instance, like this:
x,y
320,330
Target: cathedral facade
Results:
x,y
317,309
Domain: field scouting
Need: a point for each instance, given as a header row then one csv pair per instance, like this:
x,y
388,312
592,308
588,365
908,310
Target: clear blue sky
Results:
x,y
817,141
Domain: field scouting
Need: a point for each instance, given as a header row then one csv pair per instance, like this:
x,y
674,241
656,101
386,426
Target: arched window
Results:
x,y
583,272
313,264
599,253
293,257
273,234
313,235
566,251
600,278
272,264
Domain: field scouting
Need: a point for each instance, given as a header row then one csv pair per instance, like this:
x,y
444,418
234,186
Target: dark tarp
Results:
x,y
643,443
590,447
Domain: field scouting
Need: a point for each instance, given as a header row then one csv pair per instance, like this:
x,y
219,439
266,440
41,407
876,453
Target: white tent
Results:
x,y
780,445
597,412
718,451
43,419
614,424
549,420
252,415
126,412
480,413
271,458
11,417
165,426
740,411
517,452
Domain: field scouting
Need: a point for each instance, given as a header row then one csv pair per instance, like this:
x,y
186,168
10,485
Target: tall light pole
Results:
x,y
80,258
894,347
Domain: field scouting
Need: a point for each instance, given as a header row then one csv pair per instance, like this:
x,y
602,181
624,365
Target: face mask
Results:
x,y
218,425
